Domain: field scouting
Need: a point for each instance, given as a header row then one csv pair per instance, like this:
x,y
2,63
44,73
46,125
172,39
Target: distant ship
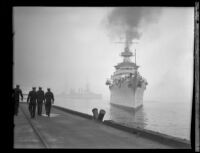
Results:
x,y
83,94
126,85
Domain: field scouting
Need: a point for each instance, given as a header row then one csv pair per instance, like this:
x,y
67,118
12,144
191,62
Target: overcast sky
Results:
x,y
66,47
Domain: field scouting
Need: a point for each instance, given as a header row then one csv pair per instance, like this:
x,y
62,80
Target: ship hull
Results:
x,y
125,107
127,96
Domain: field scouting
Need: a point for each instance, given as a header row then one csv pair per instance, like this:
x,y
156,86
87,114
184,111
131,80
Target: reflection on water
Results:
x,y
172,118
132,118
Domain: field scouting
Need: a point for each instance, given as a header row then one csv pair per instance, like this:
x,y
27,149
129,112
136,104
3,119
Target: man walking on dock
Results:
x,y
49,100
32,97
40,100
17,93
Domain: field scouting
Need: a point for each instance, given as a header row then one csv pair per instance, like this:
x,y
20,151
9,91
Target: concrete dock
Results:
x,y
65,129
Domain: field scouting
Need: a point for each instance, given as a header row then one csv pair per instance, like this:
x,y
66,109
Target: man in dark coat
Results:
x,y
17,94
49,100
31,100
40,100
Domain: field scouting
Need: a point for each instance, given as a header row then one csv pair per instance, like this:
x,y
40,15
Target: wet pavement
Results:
x,y
66,130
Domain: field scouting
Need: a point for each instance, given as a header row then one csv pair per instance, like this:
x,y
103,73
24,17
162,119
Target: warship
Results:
x,y
82,94
126,85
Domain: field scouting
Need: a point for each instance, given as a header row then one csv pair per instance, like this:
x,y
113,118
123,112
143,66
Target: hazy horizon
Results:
x,y
67,47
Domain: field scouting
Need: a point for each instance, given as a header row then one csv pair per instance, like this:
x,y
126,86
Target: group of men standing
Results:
x,y
35,98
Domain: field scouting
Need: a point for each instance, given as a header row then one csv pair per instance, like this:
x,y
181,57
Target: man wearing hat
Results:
x,y
31,100
49,100
17,93
40,100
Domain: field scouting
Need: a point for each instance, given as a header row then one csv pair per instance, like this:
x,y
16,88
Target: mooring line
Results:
x,y
36,130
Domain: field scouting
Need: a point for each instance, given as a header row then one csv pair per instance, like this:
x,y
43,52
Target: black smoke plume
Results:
x,y
125,21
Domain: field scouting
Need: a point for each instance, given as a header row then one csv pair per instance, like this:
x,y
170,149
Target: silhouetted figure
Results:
x,y
31,100
17,93
40,100
49,100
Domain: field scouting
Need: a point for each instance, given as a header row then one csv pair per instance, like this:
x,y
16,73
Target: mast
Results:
x,y
127,53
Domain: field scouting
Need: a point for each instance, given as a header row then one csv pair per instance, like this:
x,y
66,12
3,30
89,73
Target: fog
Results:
x,y
66,47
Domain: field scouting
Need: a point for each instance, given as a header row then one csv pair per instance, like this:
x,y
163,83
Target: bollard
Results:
x,y
95,113
101,115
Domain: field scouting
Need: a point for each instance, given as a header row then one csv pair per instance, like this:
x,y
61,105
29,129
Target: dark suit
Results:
x,y
32,97
48,98
17,93
40,99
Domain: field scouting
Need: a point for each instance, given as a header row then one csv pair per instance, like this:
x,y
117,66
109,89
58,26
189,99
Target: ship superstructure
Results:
x,y
126,85
83,94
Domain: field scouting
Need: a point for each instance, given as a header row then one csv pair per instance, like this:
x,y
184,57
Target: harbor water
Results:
x,y
171,118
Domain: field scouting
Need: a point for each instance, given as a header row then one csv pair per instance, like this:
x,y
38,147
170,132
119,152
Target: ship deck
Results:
x,y
69,129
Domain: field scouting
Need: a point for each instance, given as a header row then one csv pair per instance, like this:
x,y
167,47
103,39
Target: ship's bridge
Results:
x,y
125,72
126,65
127,54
